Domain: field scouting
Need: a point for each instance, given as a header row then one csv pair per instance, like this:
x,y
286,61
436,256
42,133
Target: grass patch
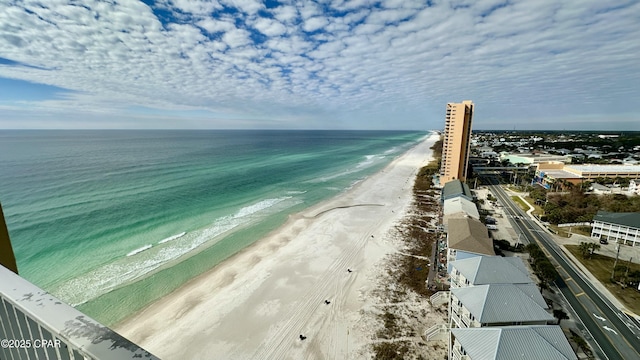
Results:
x,y
520,203
582,230
560,231
538,209
600,266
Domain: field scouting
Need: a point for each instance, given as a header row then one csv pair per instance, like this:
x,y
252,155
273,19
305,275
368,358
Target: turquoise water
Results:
x,y
111,220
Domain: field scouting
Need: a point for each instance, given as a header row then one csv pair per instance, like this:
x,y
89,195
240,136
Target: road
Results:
x,y
616,336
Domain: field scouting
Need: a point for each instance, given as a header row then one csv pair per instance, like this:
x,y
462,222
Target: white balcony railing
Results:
x,y
43,327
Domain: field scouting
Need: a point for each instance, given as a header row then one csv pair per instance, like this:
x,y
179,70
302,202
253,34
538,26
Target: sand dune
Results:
x,y
256,304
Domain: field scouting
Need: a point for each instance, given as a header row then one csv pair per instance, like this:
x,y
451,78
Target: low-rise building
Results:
x,y
461,205
456,188
634,186
468,235
549,173
533,342
600,189
482,270
532,159
458,207
616,227
498,305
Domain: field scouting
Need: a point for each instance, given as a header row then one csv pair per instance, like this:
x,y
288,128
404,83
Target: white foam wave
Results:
x,y
177,236
131,268
139,250
296,192
391,151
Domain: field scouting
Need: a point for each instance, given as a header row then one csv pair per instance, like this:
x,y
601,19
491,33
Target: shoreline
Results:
x,y
256,303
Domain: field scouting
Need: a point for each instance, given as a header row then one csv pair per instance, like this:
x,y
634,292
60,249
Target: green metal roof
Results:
x,y
630,219
455,188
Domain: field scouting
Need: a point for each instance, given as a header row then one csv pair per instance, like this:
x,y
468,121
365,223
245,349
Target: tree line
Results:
x,y
574,205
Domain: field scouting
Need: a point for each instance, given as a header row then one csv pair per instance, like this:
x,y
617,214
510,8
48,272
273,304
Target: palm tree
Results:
x,y
560,315
584,248
593,247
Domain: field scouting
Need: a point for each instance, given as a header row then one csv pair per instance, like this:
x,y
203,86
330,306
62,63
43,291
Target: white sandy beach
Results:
x,y
256,304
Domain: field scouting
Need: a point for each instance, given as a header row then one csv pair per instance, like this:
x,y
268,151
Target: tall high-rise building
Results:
x,y
456,145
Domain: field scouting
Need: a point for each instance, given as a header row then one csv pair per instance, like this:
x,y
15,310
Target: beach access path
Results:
x,y
256,304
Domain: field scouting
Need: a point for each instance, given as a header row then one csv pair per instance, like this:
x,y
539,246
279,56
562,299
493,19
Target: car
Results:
x,y
603,241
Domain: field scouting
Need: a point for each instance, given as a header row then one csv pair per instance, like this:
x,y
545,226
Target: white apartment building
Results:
x,y
498,305
616,227
532,342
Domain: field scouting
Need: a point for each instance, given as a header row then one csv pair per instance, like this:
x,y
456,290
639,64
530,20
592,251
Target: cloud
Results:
x,y
315,23
270,27
355,64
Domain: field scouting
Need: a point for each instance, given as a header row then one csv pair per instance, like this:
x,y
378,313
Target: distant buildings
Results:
x,y
549,173
456,145
532,159
634,186
617,227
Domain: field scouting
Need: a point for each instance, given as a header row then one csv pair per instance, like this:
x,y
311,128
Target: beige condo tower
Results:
x,y
456,145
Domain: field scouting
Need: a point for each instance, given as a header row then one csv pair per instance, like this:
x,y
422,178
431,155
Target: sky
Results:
x,y
334,64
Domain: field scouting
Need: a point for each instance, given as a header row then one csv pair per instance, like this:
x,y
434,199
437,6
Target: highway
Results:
x,y
615,334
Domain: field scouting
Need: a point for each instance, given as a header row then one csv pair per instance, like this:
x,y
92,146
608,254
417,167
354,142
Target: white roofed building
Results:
x,y
481,270
532,342
498,305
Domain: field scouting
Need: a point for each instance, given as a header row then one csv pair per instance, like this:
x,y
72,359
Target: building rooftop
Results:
x,y
482,270
559,174
600,187
470,235
504,303
604,168
625,219
522,342
455,188
460,205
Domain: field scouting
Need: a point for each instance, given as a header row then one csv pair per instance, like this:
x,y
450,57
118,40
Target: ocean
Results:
x,y
110,221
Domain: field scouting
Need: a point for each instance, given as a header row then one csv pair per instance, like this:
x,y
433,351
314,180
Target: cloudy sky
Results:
x,y
334,64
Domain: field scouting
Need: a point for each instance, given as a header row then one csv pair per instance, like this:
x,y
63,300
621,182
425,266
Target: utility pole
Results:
x,y
626,273
613,271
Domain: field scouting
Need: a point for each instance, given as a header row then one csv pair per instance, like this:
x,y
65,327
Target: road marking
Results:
x,y
569,279
580,294
599,317
609,329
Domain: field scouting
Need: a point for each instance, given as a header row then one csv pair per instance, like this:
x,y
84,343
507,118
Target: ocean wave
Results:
x,y
368,161
139,250
177,236
131,268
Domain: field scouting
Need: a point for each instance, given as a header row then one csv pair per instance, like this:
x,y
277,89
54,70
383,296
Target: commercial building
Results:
x,y
634,186
525,342
456,144
616,227
532,159
549,173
